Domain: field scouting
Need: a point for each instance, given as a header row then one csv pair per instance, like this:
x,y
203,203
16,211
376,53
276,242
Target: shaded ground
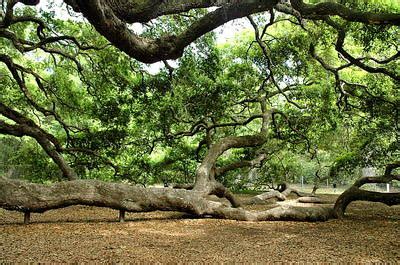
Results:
x,y
370,233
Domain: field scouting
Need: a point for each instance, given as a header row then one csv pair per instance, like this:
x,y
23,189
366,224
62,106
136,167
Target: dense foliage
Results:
x,y
118,120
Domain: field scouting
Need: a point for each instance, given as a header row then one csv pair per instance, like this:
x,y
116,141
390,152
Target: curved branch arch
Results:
x,y
111,18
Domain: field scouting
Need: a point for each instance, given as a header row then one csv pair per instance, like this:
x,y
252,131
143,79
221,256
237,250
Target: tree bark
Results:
x,y
262,198
355,193
279,194
35,198
206,172
311,199
111,18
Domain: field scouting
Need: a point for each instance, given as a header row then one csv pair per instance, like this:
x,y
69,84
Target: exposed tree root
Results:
x,y
27,197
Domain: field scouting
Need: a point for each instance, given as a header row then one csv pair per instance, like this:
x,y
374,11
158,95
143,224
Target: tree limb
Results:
x,y
355,193
335,9
26,197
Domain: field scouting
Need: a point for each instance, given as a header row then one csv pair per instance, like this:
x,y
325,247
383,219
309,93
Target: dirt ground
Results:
x,y
369,234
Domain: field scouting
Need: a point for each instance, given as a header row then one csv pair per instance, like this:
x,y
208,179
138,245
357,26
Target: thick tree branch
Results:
x,y
25,197
102,16
206,171
27,127
335,9
241,164
355,193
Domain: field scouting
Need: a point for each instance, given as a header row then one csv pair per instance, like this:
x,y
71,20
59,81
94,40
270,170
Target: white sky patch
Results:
x,y
136,27
154,68
60,9
231,29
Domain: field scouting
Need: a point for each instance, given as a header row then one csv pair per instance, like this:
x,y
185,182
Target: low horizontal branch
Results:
x,y
356,194
27,197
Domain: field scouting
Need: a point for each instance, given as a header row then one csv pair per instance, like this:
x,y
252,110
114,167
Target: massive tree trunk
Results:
x,y
355,193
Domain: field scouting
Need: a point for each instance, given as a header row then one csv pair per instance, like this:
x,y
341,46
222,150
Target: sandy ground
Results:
x,y
370,233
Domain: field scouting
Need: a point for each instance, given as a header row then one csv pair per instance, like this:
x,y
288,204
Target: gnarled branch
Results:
x,y
355,193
